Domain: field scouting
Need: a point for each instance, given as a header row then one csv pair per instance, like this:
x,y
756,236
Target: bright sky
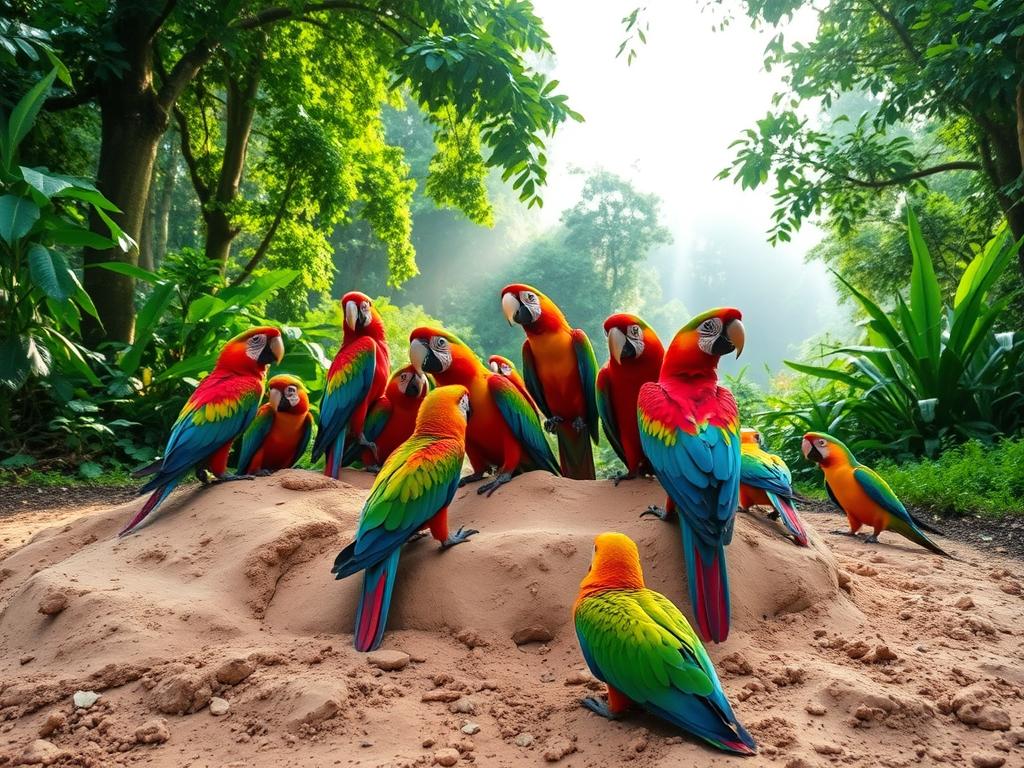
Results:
x,y
666,122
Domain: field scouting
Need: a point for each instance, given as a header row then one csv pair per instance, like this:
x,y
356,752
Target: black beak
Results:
x,y
469,413
412,389
815,455
284,406
722,346
267,356
628,351
431,364
522,315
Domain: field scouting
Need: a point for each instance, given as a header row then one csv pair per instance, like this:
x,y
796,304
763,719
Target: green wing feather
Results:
x,y
307,433
254,436
532,380
521,418
879,492
586,363
603,396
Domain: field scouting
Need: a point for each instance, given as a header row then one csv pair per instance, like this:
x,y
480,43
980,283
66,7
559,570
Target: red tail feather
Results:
x,y
370,613
792,521
712,608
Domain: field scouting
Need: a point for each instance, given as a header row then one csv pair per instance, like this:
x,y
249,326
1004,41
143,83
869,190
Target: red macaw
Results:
x,y
635,355
765,481
220,409
560,372
279,434
356,378
411,493
391,418
507,368
505,431
690,431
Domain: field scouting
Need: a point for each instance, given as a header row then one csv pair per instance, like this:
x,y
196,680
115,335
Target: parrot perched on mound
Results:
x,y
391,418
279,434
690,432
356,378
505,432
505,367
638,643
635,355
765,480
862,494
412,492
560,372
221,408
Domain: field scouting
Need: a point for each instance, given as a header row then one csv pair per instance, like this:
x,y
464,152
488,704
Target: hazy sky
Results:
x,y
666,122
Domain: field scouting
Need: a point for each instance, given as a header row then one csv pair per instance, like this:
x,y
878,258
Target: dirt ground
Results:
x,y
843,653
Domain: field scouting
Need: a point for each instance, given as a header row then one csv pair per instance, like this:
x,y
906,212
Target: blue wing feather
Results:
x,y
586,364
532,380
522,419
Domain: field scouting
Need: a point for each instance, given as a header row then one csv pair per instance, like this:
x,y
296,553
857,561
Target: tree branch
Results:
x,y
281,13
264,246
71,100
956,165
202,190
184,70
901,31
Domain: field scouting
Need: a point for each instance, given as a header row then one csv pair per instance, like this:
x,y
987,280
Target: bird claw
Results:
x,y
623,476
495,484
458,537
773,515
659,512
872,539
373,468
264,472
551,425
476,477
371,445
230,478
579,424
598,707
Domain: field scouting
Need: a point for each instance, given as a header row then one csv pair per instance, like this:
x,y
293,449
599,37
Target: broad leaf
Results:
x,y
17,215
50,272
24,114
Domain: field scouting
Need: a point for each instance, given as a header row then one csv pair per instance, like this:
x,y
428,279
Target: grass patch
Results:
x,y
972,479
48,478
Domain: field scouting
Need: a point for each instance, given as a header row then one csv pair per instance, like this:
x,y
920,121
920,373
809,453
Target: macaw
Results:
x,y
765,480
279,434
391,418
507,368
560,372
635,355
505,432
411,493
690,432
356,378
640,645
220,409
862,493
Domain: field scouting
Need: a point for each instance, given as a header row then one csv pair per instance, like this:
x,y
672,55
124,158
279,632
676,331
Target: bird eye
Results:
x,y
634,331
441,343
365,305
257,339
531,297
821,443
711,326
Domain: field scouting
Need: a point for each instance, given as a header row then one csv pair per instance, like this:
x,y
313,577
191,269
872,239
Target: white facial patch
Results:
x,y
442,351
635,334
464,406
708,333
506,369
531,301
254,346
291,394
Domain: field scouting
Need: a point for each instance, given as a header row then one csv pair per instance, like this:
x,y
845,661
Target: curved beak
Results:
x,y
736,335
418,352
351,315
273,352
275,398
510,306
415,385
494,366
617,342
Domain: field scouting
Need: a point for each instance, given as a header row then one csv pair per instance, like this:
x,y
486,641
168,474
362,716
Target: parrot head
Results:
x,y
407,382
361,319
288,394
615,564
531,309
252,351
698,344
629,338
750,436
825,450
444,412
441,354
501,365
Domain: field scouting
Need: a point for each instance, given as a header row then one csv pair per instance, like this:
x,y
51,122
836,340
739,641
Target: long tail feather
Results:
x,y
703,717
925,526
375,602
150,469
709,585
790,519
154,501
335,456
916,536
575,453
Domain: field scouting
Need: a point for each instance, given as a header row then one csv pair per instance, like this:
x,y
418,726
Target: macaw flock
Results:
x,y
663,411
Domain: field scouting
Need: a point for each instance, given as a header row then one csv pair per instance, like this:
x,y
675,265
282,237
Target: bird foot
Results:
x,y
842,532
872,539
373,469
495,484
654,510
598,707
551,425
476,477
264,472
624,476
773,515
579,424
458,537
230,478
371,445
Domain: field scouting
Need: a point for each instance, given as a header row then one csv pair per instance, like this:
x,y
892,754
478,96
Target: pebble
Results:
x,y
389,661
153,732
446,757
827,749
524,740
987,760
471,729
85,699
965,603
54,722
53,603
234,671
463,706
986,716
41,752
816,709
558,749
219,706
906,615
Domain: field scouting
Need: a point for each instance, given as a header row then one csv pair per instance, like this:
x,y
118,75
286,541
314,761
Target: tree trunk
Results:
x,y
146,239
1003,162
162,224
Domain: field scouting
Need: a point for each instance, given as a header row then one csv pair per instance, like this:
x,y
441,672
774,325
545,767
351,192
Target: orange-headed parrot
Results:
x,y
690,432
862,493
356,378
221,408
507,368
391,418
765,481
505,432
560,372
638,643
280,433
412,492
635,355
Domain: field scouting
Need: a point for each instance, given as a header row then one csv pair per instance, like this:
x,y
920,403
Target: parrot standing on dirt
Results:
x,y
635,356
560,371
765,480
640,645
356,378
411,493
690,432
280,433
505,367
862,493
220,409
391,418
506,432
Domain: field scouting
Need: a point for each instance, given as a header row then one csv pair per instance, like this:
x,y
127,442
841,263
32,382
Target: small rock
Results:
x,y
234,671
26,659
41,752
735,664
219,706
365,744
881,654
470,638
85,699
471,729
53,603
579,677
181,694
827,749
987,760
153,732
816,709
428,743
558,749
446,757
906,615
441,694
1011,588
463,706
389,661
857,650
54,722
524,740
547,677
535,633
986,716
965,603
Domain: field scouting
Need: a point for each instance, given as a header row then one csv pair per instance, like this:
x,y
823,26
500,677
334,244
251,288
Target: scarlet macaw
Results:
x,y
279,434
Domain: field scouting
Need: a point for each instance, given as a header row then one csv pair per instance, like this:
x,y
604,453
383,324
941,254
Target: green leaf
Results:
x,y
83,406
124,268
188,367
48,185
254,290
18,461
24,114
50,272
90,470
925,294
78,237
17,215
145,324
14,366
205,306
